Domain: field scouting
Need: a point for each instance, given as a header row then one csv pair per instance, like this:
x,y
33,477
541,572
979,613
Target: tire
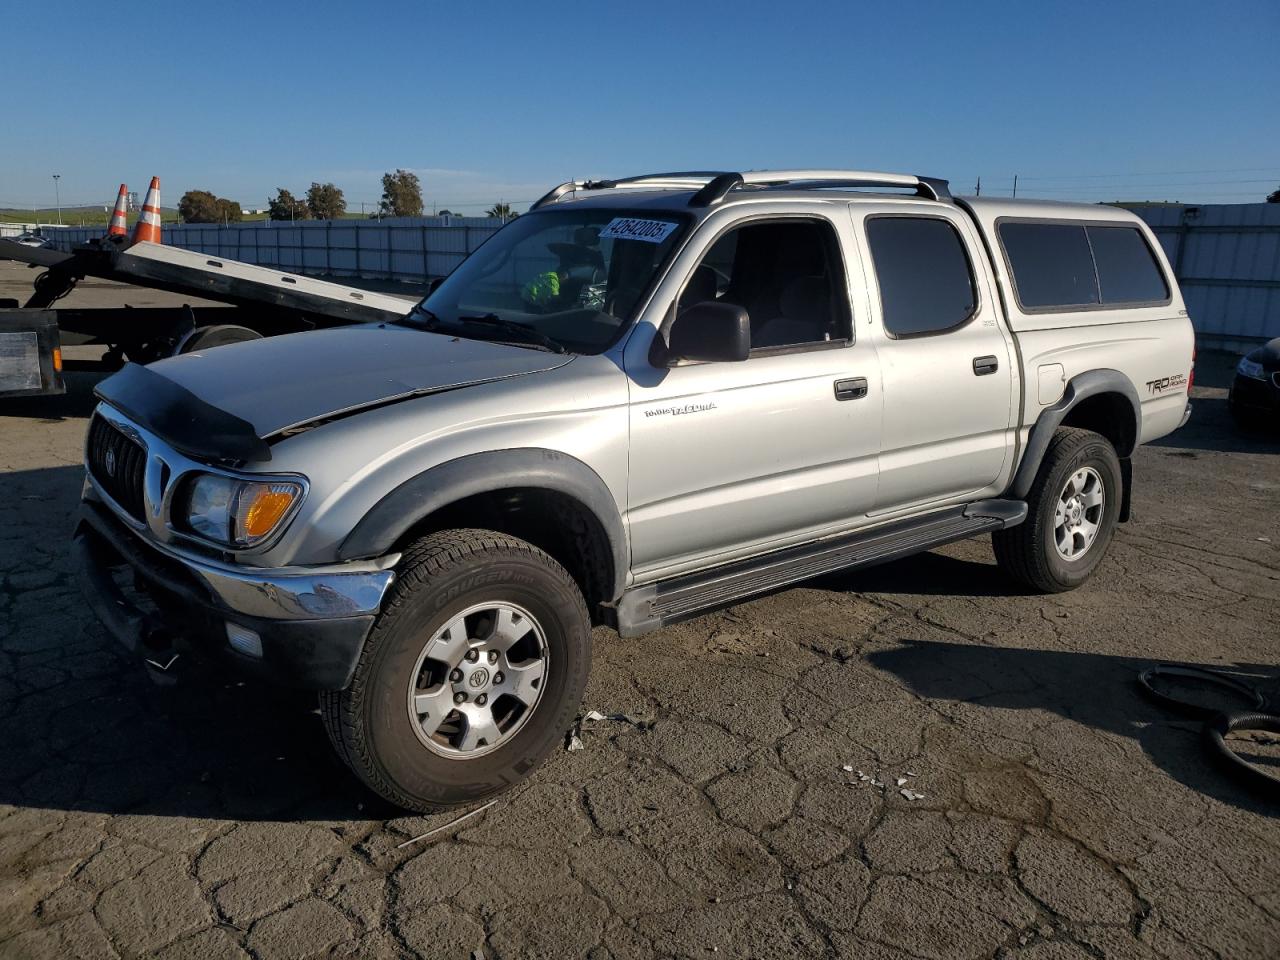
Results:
x,y
374,725
218,335
1215,732
1030,552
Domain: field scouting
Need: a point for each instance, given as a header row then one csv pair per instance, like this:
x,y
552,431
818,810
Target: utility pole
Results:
x,y
977,191
1015,186
57,196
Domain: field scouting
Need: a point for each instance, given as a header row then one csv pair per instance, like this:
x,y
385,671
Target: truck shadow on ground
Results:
x,y
925,574
100,736
1095,690
76,404
1212,428
83,728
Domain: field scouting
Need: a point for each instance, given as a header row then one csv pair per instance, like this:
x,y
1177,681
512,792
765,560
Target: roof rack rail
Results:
x,y
716,190
930,188
715,185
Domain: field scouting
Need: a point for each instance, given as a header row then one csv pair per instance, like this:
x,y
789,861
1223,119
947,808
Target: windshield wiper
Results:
x,y
419,317
424,319
521,331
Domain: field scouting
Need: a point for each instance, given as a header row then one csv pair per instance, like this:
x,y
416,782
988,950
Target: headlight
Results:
x,y
238,513
1250,368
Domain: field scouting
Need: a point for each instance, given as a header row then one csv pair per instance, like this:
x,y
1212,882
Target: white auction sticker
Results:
x,y
628,228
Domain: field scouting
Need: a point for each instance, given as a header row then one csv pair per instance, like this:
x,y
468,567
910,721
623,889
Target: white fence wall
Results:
x,y
1227,260
400,248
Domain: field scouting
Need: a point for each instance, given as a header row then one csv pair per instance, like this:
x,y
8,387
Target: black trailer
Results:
x,y
260,302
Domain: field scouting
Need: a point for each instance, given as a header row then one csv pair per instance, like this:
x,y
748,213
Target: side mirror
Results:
x,y
712,332
434,284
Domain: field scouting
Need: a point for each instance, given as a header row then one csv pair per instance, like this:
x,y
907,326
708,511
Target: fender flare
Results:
x,y
420,496
1079,387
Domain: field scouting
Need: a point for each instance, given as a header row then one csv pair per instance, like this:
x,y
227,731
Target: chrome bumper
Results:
x,y
295,593
310,622
275,593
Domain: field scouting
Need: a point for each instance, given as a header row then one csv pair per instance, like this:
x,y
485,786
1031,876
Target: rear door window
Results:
x,y
1127,270
926,282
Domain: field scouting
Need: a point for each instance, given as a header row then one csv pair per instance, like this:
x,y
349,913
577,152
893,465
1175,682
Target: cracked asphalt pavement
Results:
x,y
1063,816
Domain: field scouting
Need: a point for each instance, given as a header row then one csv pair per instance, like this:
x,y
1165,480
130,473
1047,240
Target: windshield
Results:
x,y
569,279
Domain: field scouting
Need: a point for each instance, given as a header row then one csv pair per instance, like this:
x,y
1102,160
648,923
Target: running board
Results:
x,y
646,608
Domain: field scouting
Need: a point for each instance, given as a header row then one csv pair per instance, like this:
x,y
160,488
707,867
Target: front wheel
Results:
x,y
470,676
1071,516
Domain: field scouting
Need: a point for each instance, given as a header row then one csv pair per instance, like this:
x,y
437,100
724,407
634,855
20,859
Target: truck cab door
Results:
x,y
733,458
946,359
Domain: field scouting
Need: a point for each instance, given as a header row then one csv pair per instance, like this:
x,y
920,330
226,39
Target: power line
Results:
x,y
1168,173
1134,196
1150,186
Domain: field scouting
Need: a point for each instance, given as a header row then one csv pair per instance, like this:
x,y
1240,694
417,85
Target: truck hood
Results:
x,y
283,382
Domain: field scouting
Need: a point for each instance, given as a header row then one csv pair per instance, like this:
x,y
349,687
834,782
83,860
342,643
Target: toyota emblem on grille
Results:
x,y
109,463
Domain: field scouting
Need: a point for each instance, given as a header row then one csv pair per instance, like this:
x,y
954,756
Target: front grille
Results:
x,y
118,463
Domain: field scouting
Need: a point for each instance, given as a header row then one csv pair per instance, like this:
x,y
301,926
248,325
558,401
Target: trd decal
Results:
x,y
681,411
1162,384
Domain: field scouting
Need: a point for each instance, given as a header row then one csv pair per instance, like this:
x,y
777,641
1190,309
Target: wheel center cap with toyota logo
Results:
x,y
478,678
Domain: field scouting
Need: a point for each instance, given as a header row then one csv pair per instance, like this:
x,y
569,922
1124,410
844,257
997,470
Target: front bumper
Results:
x,y
1259,396
311,621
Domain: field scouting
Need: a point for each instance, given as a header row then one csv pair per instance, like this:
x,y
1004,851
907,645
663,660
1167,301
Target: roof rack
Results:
x,y
714,185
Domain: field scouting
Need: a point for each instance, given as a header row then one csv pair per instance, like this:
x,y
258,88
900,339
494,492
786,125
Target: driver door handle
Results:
x,y
984,365
852,389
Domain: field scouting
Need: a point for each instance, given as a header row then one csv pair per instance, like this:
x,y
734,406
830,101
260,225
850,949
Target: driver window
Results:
x,y
788,276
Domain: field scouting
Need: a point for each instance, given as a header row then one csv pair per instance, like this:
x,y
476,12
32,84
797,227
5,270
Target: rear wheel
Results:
x,y
470,675
1072,510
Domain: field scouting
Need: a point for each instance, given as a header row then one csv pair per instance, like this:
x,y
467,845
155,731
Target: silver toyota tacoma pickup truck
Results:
x,y
645,399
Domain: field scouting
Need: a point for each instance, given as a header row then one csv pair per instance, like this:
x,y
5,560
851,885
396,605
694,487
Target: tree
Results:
x,y
502,210
199,206
1274,196
325,201
285,206
401,194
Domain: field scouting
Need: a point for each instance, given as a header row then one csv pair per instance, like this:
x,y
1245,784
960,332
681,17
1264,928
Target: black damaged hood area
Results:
x,y
263,387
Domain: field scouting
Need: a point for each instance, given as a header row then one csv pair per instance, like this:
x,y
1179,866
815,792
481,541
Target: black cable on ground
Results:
x,y
1253,700
1215,732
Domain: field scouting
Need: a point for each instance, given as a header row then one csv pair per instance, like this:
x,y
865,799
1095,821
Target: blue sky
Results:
x,y
1085,100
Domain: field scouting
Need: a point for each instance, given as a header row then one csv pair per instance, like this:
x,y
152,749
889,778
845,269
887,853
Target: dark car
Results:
x,y
1255,393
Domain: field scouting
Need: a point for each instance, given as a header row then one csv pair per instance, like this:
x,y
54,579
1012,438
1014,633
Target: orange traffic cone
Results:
x,y
148,226
117,227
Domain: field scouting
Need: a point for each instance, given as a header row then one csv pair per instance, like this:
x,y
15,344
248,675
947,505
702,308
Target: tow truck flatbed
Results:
x,y
261,301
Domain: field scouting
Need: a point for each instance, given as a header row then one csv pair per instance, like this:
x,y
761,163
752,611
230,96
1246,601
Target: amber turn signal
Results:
x,y
261,507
